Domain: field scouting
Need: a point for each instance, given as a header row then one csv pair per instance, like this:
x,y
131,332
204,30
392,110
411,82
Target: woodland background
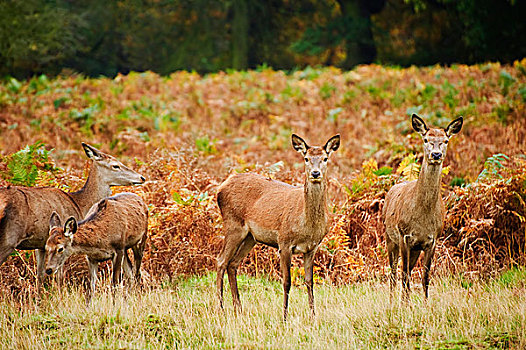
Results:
x,y
96,37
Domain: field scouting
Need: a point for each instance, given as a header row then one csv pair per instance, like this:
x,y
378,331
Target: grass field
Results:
x,y
185,314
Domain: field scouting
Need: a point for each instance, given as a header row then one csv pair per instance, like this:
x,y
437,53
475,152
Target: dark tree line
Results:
x,y
98,37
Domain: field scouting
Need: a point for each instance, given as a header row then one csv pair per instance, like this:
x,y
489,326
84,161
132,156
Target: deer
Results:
x,y
293,219
24,212
113,226
413,212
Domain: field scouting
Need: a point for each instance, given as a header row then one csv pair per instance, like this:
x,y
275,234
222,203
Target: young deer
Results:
x,y
293,219
25,212
413,212
113,225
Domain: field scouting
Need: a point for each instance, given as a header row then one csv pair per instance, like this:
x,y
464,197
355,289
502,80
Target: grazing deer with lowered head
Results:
x,y
413,212
113,225
260,210
25,212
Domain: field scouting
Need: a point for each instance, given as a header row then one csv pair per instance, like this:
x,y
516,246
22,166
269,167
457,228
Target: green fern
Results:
x,y
24,166
492,167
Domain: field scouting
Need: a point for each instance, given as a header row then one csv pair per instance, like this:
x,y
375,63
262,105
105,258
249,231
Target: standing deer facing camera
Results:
x,y
112,226
413,212
25,212
260,210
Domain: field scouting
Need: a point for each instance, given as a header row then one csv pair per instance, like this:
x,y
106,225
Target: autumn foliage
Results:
x,y
185,133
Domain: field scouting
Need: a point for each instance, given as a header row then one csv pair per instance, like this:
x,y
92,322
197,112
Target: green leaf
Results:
x,y
385,170
179,200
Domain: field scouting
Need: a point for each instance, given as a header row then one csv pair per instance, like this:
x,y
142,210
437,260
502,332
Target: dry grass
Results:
x,y
184,314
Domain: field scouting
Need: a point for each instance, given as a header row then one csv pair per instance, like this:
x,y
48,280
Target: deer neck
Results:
x,y
428,185
315,203
84,242
93,190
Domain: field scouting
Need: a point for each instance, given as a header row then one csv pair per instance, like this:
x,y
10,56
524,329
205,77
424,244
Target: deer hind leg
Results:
x,y
9,233
138,253
428,258
117,266
393,251
285,255
128,267
5,251
235,234
243,250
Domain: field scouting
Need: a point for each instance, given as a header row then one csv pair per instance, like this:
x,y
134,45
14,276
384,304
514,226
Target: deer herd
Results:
x,y
255,209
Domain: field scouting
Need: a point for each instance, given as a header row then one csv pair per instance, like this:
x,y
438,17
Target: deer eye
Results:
x,y
325,159
306,160
61,249
116,167
446,142
425,140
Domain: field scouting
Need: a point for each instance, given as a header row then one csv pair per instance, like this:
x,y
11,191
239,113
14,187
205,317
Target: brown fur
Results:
x,y
24,222
413,212
259,210
114,225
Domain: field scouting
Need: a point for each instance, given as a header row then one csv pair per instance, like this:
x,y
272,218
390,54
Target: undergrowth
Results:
x,y
186,133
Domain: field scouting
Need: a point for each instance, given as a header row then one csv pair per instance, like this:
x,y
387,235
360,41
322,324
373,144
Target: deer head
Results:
x,y
316,158
435,140
58,245
114,172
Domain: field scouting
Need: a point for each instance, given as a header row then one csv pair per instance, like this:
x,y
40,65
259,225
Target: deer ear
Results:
x,y
419,125
70,227
454,127
54,221
92,152
333,144
299,144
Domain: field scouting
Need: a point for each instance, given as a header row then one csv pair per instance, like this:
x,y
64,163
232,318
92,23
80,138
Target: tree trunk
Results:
x,y
360,49
240,28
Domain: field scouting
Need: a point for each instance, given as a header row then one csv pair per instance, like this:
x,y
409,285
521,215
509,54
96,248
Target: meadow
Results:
x,y
185,314
185,133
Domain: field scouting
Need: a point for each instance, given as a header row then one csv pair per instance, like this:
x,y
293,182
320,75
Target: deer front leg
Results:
x,y
285,255
309,277
428,258
409,259
40,254
93,268
59,277
406,272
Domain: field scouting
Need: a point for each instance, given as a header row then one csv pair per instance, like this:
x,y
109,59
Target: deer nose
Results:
x,y
436,155
316,174
143,178
49,271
